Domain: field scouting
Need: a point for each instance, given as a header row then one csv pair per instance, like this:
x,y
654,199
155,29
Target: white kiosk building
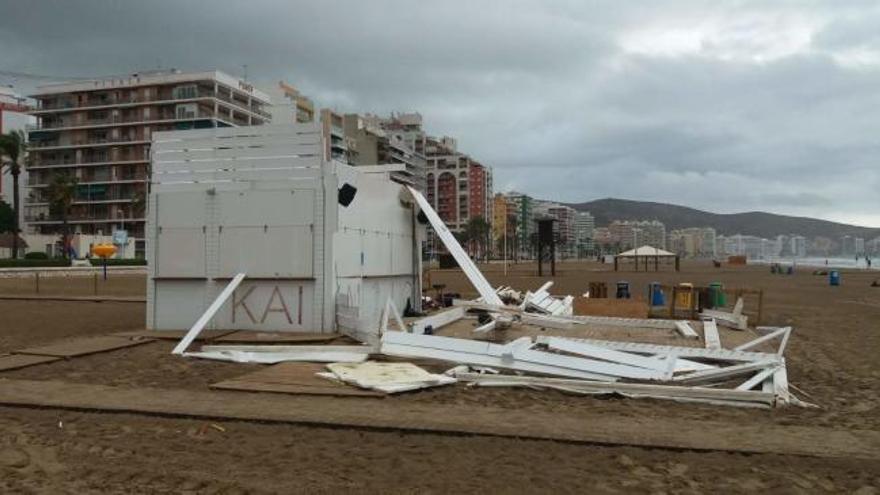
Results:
x,y
321,245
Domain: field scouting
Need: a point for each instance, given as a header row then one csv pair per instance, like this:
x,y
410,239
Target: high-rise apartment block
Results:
x,y
98,132
693,242
628,234
394,140
584,224
458,187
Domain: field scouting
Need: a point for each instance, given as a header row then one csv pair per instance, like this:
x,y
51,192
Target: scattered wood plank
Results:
x,y
701,394
204,336
719,374
438,320
271,354
583,349
710,334
473,352
208,314
686,330
83,346
464,261
251,336
657,349
292,378
737,322
17,361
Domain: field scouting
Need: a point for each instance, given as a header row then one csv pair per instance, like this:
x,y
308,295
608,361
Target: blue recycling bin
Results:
x,y
656,293
834,278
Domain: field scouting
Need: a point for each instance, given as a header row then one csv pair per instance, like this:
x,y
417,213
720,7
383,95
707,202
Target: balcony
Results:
x,y
120,121
70,105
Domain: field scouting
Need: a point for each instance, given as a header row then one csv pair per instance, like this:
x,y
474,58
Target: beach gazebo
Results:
x,y
646,256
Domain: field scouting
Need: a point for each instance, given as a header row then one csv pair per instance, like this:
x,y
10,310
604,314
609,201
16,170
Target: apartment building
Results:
x,y
630,234
458,187
693,242
98,132
522,205
373,140
563,227
584,224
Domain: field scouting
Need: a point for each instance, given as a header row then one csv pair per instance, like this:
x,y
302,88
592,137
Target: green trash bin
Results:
x,y
719,300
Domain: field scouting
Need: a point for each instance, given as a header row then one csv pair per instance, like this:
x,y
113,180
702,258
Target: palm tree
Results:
x,y
61,193
477,231
14,146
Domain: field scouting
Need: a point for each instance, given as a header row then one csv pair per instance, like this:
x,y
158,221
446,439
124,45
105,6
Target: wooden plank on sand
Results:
x,y
292,378
250,336
82,346
16,361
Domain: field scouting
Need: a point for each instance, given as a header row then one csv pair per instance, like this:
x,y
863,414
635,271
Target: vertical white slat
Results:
x,y
464,261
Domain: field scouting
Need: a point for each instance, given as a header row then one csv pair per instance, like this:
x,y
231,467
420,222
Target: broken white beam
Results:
x,y
605,354
486,328
783,332
686,330
737,322
464,261
391,309
635,323
721,374
272,357
438,320
738,307
657,349
660,363
208,315
757,379
359,349
473,352
710,334
673,392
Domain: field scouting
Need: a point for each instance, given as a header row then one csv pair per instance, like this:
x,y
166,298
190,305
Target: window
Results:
x,y
187,111
188,91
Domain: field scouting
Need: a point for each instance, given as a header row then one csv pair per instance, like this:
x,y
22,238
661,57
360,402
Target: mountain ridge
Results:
x,y
756,223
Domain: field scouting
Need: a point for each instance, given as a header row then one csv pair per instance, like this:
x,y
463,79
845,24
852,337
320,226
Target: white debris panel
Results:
x,y
689,374
390,378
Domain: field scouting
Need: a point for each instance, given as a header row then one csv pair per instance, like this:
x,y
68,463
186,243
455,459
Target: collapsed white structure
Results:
x,y
301,243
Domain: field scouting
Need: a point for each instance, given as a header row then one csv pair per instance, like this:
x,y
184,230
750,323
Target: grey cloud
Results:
x,y
544,92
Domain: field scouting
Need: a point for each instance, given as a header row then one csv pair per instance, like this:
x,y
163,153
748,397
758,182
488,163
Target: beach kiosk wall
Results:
x,y
323,245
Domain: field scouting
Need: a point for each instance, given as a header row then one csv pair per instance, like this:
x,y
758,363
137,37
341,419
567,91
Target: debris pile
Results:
x,y
700,369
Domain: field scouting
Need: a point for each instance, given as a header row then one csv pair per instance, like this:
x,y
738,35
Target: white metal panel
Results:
x,y
181,252
377,254
180,235
178,303
270,251
273,208
267,233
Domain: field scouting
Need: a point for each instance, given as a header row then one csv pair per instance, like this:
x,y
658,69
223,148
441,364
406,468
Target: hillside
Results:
x,y
756,223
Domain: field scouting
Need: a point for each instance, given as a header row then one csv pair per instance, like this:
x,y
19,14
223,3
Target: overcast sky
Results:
x,y
721,105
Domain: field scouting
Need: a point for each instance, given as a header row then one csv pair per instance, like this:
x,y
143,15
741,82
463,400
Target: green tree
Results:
x,y
13,150
7,217
477,232
61,193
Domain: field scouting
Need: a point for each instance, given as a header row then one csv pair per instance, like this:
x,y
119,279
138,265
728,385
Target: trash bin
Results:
x,y
598,290
683,295
623,290
716,295
834,278
656,294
